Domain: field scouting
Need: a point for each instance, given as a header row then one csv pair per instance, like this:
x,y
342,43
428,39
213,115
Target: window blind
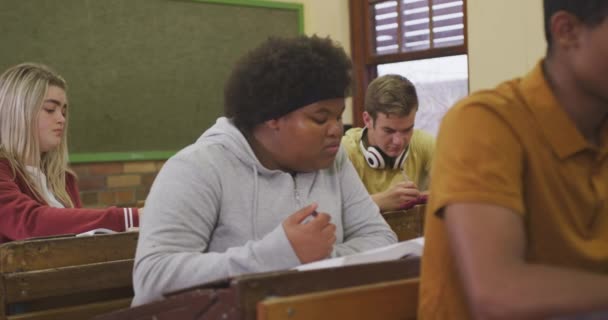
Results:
x,y
416,25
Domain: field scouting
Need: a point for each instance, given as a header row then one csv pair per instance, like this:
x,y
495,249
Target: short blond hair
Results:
x,y
22,91
391,94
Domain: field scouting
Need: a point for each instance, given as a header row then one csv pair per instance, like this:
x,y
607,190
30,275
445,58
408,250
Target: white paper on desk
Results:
x,y
410,248
96,231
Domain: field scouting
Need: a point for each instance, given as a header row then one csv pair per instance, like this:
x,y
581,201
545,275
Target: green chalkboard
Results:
x,y
145,77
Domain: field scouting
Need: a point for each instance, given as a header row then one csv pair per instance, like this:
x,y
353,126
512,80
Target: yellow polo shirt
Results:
x,y
515,147
417,165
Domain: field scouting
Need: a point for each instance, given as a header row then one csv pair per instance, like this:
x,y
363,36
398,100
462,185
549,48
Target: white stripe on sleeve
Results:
x,y
124,212
131,217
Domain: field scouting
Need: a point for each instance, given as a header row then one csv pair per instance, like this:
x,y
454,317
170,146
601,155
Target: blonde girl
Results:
x,y
38,192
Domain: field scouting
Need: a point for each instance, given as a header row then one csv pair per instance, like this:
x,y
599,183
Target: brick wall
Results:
x,y
122,184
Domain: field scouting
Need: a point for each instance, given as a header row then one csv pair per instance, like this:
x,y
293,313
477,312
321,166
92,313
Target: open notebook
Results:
x,y
410,248
95,232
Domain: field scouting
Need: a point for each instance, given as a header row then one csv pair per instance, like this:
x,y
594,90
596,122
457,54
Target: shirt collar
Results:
x,y
555,124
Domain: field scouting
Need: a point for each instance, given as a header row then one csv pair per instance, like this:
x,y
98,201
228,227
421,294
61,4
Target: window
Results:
x,y
423,40
405,26
439,82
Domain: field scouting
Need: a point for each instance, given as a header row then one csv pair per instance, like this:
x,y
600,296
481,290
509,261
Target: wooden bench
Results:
x,y
237,298
66,277
386,300
407,224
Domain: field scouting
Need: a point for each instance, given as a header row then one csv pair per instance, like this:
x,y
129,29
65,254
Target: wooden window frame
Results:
x,y
365,60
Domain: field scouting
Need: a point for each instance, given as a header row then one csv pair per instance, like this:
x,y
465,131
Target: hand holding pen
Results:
x,y
420,199
313,240
397,195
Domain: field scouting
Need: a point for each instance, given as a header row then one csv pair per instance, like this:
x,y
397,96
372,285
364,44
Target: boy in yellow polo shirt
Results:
x,y
392,159
517,223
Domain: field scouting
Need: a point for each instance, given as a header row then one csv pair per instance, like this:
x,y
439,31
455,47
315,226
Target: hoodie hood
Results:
x,y
226,134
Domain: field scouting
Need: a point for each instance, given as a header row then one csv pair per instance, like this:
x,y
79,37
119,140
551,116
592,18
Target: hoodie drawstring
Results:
x,y
255,203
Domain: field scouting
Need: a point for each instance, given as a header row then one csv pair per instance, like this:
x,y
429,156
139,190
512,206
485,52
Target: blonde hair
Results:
x,y
391,94
22,91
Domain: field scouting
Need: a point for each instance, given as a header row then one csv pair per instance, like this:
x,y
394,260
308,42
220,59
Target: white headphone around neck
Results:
x,y
377,159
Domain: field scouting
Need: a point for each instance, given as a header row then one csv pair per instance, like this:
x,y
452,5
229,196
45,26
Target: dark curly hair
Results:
x,y
590,12
282,75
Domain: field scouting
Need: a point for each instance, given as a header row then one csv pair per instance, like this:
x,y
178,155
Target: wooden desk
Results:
x,y
66,277
408,224
237,298
385,300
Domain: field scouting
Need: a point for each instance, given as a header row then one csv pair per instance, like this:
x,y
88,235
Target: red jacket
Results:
x,y
22,216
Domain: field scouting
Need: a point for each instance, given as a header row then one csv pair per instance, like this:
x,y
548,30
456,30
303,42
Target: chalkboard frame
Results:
x,y
89,157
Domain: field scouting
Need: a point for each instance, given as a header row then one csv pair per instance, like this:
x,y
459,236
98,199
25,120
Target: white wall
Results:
x,y
506,39
327,18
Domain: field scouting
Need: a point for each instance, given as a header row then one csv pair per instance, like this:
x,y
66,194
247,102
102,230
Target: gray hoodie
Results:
x,y
214,212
